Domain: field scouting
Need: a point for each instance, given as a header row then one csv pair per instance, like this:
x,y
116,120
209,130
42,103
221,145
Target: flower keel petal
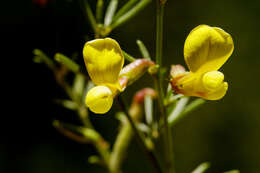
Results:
x,y
99,99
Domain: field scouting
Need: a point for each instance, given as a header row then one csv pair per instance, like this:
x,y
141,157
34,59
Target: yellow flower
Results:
x,y
104,60
206,49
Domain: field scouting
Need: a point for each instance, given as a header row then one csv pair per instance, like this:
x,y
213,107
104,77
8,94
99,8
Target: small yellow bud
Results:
x,y
99,99
212,80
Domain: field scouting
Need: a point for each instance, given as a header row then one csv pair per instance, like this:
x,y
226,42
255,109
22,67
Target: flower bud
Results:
x,y
140,95
135,70
177,70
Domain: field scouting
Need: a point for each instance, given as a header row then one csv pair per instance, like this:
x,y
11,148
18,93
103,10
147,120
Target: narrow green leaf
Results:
x,y
76,132
40,56
143,49
180,106
67,62
143,127
148,107
193,105
188,109
173,98
111,9
131,13
78,85
128,57
68,104
233,171
71,131
89,14
121,117
201,168
99,10
94,159
124,9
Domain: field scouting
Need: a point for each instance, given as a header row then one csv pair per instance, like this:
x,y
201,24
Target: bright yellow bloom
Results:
x,y
206,49
104,61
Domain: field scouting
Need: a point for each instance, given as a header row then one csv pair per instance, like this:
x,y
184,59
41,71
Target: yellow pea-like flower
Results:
x,y
206,49
104,60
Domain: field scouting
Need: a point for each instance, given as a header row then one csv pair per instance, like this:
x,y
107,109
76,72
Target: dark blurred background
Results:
x,y
225,132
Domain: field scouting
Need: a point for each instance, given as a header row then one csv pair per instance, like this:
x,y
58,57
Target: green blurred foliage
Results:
x,y
224,133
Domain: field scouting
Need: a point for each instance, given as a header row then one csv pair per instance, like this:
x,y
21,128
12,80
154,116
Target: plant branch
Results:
x,y
159,54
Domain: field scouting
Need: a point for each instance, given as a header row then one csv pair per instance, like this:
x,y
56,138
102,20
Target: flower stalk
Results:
x,y
159,85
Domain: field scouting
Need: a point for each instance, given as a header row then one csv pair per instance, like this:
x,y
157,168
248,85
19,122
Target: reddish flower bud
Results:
x,y
140,95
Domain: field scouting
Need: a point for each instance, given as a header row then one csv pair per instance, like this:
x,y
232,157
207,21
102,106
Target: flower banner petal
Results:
x,y
104,61
207,48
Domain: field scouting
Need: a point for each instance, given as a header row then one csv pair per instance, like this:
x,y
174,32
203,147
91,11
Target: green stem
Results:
x,y
159,55
150,154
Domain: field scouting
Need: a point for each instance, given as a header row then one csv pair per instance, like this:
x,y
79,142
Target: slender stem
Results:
x,y
150,154
159,32
159,54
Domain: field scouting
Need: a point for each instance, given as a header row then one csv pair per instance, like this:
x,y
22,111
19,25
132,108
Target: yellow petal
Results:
x,y
207,48
104,61
99,99
212,80
186,84
218,94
